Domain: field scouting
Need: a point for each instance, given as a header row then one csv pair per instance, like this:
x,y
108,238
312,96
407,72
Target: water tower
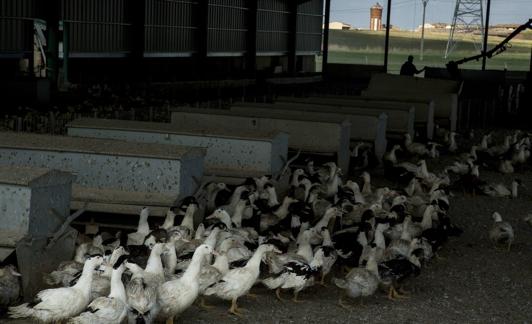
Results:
x,y
375,17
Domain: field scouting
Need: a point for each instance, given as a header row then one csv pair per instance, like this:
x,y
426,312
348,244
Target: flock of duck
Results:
x,y
288,232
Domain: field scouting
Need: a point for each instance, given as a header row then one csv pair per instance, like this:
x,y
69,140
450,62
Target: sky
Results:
x,y
407,14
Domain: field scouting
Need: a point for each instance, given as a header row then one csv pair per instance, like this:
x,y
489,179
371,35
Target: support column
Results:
x,y
326,22
423,30
486,31
137,36
387,38
203,32
52,17
251,39
292,39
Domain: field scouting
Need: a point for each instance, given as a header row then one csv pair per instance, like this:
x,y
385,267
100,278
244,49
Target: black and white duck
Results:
x,y
141,290
394,272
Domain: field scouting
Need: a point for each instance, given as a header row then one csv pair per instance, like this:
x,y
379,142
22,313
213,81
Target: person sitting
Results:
x,y
408,68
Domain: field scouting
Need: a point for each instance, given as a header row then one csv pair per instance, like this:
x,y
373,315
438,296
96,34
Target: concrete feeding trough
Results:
x,y
444,93
111,176
231,153
397,120
368,126
307,134
35,209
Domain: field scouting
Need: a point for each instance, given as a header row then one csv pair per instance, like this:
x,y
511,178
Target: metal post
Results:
x,y
251,51
423,29
486,31
387,38
137,36
326,36
66,51
203,32
292,44
53,13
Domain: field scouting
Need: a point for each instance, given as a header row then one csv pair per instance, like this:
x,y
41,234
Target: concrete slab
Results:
x,y
307,133
168,171
230,151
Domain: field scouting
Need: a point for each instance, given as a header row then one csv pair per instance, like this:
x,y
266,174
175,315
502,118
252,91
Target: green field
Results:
x,y
365,47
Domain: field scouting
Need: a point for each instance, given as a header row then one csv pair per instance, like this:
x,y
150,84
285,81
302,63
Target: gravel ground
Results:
x,y
471,283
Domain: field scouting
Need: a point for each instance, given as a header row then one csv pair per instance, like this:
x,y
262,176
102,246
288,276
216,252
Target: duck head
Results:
x,y
496,217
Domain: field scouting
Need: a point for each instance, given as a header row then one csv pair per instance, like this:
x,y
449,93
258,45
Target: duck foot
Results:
x,y
509,247
295,300
398,295
278,294
170,320
204,305
234,309
391,295
341,303
403,291
394,295
254,296
322,281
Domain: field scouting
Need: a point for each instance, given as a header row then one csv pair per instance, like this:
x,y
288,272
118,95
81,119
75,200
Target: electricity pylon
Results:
x,y
468,18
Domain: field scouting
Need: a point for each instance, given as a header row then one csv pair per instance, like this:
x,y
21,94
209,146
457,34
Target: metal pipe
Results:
x,y
387,38
423,29
486,31
326,36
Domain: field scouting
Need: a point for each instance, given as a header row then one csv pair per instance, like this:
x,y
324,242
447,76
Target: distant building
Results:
x,y
339,25
435,27
375,17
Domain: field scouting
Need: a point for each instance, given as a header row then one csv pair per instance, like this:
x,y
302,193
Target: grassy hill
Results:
x,y
365,47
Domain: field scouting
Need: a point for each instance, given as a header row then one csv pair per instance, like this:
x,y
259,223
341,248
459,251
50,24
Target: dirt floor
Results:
x,y
471,283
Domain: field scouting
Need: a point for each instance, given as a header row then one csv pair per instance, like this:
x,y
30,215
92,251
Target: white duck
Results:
x,y
452,142
143,229
101,280
391,156
9,286
175,296
360,282
55,305
237,282
415,148
210,274
500,191
501,232
111,309
169,220
68,270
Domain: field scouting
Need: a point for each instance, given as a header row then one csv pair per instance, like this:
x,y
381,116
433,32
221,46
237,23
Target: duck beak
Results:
x,y
215,253
276,250
16,274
